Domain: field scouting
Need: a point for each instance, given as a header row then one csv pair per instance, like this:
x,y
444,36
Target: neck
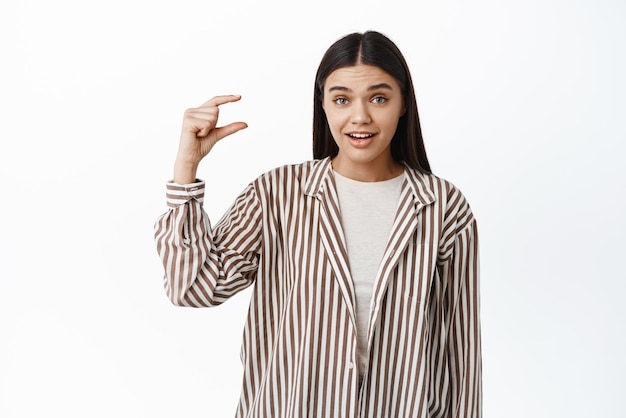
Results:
x,y
367,173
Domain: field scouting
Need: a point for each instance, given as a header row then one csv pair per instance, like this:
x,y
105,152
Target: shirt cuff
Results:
x,y
179,194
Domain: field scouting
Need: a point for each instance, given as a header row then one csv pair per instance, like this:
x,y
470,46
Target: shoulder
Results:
x,y
446,196
286,172
287,181
433,187
451,194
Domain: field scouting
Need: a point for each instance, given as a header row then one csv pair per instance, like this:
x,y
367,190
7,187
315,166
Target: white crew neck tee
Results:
x,y
368,210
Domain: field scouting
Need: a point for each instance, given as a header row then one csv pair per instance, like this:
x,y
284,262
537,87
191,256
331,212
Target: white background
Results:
x,y
522,105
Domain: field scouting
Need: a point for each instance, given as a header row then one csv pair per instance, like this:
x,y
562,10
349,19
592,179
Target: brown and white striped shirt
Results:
x,y
283,235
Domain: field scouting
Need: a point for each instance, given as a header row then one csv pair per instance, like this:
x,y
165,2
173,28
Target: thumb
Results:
x,y
229,129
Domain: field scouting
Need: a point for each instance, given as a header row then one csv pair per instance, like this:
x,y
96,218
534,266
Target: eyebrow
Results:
x,y
370,88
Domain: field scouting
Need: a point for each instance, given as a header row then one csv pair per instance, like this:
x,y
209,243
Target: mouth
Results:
x,y
360,139
360,135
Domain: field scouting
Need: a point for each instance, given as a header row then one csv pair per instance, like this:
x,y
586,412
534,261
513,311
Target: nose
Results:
x,y
360,113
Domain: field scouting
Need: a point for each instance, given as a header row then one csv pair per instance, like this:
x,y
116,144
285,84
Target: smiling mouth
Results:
x,y
361,140
360,136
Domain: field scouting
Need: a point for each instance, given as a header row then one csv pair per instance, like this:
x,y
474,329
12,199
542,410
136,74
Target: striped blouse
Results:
x,y
299,351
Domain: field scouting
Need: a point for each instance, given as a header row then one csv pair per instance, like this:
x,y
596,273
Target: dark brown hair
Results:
x,y
371,48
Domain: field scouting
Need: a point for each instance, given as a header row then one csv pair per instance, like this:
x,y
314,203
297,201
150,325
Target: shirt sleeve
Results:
x,y
204,266
463,325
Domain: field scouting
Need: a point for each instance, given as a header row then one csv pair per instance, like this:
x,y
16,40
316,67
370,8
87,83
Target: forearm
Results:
x,y
185,172
202,269
464,345
183,243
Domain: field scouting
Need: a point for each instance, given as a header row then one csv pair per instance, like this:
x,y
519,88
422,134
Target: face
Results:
x,y
363,105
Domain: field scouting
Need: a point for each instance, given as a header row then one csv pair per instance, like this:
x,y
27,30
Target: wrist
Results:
x,y
185,172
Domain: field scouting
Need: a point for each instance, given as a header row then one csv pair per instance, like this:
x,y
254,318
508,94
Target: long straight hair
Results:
x,y
371,48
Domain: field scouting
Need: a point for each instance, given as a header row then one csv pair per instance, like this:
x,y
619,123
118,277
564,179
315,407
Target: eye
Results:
x,y
379,99
340,100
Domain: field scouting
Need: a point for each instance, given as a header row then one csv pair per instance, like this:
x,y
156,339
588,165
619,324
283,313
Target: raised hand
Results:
x,y
199,134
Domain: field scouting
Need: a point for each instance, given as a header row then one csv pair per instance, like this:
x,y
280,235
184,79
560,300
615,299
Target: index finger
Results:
x,y
220,100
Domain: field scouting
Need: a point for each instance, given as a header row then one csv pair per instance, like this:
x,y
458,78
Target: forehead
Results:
x,y
359,76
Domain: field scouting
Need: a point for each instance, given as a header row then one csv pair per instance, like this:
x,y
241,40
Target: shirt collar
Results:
x,y
320,177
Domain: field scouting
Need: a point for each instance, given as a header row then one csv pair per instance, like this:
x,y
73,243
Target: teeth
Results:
x,y
360,136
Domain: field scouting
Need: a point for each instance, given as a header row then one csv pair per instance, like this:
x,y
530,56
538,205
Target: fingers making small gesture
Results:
x,y
199,134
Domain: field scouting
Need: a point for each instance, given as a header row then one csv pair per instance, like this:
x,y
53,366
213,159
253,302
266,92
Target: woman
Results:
x,y
364,264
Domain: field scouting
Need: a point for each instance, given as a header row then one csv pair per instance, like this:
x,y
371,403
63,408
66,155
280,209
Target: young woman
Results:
x,y
364,264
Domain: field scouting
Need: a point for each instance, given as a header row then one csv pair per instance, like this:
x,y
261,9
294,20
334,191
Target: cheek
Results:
x,y
333,123
391,120
335,129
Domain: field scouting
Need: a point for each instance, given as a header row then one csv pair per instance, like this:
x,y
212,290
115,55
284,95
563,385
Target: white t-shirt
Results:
x,y
368,210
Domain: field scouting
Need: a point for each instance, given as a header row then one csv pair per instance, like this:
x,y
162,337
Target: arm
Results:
x,y
202,268
463,325
205,267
